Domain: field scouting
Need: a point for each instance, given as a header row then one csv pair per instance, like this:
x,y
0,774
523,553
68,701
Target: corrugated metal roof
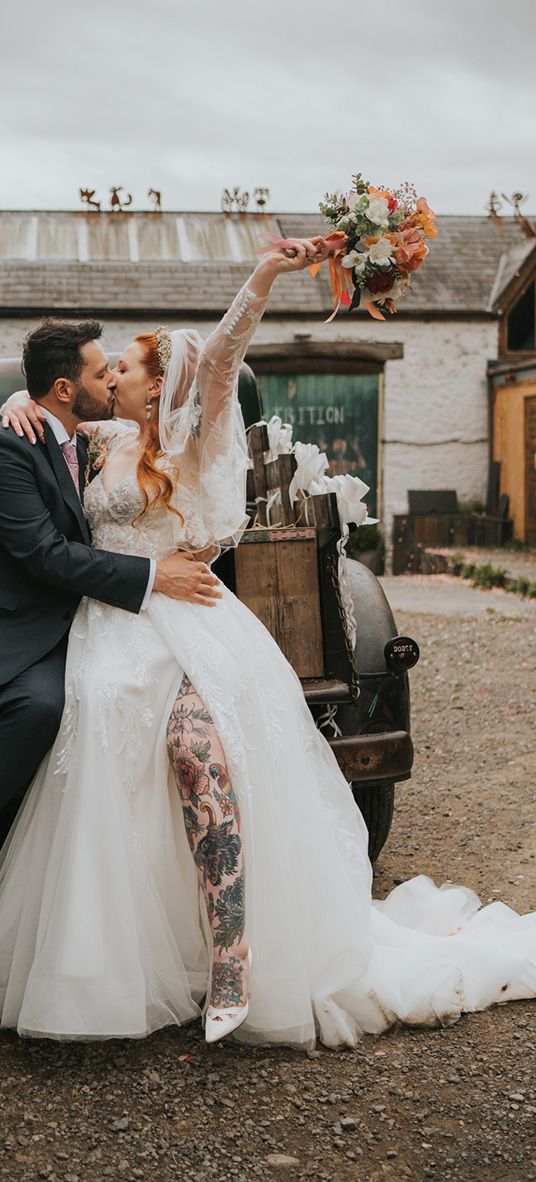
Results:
x,y
194,262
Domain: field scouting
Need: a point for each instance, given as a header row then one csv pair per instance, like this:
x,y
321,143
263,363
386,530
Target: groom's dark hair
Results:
x,y
52,351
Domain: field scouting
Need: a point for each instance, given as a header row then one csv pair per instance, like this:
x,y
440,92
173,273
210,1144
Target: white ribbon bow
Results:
x,y
350,491
279,437
311,463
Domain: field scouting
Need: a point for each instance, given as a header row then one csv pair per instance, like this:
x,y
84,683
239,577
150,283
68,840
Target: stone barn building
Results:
x,y
404,403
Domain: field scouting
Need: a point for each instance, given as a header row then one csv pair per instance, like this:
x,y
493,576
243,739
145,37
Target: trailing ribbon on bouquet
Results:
x,y
341,280
342,287
377,241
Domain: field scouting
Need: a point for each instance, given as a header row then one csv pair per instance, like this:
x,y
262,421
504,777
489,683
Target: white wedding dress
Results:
x,y
103,929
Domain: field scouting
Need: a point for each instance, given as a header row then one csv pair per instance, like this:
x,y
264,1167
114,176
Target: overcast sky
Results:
x,y
189,96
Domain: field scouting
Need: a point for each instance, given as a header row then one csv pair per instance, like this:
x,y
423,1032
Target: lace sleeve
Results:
x,y
209,438
224,350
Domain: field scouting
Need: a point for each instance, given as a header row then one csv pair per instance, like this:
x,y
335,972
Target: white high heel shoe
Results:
x,y
219,1023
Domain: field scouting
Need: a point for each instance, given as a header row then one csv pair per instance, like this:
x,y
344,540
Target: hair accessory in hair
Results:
x,y
163,345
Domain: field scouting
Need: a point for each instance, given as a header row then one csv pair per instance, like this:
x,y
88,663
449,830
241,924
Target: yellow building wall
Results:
x,y
509,447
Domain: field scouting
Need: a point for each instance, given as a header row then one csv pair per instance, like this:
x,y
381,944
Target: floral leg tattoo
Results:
x,y
212,819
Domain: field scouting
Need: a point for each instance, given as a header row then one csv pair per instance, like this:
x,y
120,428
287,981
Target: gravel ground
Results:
x,y
456,1103
515,562
446,595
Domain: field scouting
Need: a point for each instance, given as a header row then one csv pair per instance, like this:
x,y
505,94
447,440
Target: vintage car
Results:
x,y
287,573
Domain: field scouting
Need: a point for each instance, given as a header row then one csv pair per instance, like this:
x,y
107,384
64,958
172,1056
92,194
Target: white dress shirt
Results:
x,y
62,436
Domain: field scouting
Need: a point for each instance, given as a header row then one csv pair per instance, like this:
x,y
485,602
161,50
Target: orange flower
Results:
x,y
425,218
411,252
372,238
409,223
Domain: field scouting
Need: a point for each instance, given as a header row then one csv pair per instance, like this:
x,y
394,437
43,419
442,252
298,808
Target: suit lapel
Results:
x,y
85,472
65,480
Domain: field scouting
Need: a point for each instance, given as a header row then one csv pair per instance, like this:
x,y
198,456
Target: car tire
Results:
x,y
376,801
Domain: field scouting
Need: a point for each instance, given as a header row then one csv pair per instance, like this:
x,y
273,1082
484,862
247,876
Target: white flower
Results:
x,y
378,210
381,252
355,259
311,464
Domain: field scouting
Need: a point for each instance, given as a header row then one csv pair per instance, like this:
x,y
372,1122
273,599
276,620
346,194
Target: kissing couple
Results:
x,y
188,847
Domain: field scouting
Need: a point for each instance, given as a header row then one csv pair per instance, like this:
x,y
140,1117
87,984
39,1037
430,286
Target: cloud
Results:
x,y
193,95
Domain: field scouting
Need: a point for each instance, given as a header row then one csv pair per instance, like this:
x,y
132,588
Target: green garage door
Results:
x,y
339,412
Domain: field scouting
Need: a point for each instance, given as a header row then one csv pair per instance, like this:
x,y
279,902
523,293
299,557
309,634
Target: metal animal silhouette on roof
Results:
x,y
156,198
86,197
117,203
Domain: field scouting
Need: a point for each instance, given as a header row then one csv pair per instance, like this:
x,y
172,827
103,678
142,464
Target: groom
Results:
x,y
46,560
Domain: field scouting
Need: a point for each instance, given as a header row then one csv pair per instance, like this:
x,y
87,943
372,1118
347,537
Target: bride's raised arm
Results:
x,y
202,424
224,350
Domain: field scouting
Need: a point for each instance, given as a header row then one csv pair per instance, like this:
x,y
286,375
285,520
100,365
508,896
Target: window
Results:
x,y
521,323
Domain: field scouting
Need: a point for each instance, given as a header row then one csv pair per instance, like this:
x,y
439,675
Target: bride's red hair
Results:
x,y
156,486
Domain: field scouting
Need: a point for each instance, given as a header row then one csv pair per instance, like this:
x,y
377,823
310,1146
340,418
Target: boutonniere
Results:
x,y
97,452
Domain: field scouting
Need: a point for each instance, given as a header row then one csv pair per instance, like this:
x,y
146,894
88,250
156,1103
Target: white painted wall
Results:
x,y
435,402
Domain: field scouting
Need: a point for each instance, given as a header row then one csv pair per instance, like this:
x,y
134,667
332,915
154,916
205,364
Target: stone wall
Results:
x,y
434,432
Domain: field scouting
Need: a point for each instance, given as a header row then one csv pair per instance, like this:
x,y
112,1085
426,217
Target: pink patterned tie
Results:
x,y
71,459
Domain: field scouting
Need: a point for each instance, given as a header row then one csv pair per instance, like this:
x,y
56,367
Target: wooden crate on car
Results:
x,y
286,567
277,578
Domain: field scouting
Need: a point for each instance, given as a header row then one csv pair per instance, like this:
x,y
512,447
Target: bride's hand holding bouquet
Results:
x,y
377,240
285,256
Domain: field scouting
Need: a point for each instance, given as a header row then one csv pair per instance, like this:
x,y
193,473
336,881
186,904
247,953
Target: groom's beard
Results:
x,y
89,410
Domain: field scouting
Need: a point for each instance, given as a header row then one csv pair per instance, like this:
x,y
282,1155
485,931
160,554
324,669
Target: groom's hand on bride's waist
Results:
x,y
183,576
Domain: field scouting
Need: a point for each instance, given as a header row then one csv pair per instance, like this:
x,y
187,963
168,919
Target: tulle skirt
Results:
x,y
103,928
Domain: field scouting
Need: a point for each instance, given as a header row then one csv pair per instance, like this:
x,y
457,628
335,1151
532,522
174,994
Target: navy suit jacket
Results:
x,y
46,560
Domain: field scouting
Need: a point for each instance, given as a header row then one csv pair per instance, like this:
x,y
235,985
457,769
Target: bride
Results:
x,y
190,836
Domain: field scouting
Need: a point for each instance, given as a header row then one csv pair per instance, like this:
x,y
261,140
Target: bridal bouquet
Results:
x,y
378,240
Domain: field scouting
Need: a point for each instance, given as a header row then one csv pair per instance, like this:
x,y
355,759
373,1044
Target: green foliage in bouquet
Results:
x,y
378,237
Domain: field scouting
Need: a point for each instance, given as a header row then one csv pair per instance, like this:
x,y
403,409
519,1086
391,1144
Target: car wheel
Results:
x,y
376,802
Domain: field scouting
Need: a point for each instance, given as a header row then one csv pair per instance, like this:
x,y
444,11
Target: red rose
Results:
x,y
381,281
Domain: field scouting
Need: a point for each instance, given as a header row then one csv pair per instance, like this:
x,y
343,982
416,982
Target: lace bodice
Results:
x,y
110,515
204,453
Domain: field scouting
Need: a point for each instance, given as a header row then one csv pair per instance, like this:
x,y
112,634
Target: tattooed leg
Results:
x,y
212,820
